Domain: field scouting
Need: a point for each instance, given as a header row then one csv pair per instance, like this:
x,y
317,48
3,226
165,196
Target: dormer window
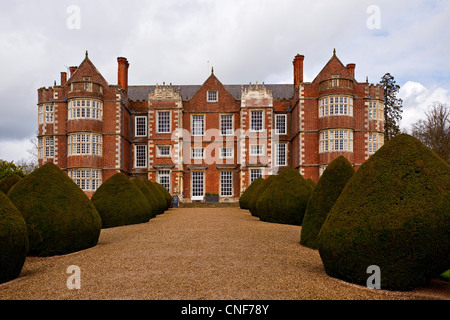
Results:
x,y
212,96
335,81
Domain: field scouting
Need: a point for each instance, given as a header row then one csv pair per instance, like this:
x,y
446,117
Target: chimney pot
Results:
x,y
72,70
298,69
122,75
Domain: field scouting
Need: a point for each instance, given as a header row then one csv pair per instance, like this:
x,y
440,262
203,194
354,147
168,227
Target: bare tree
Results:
x,y
434,131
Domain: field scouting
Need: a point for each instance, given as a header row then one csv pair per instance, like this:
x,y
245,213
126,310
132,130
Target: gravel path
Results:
x,y
191,253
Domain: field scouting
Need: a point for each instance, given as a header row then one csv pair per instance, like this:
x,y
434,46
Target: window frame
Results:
x,y
226,185
136,147
193,190
197,157
158,153
251,179
285,124
221,155
256,154
165,174
278,154
208,96
193,128
159,124
231,132
136,126
252,112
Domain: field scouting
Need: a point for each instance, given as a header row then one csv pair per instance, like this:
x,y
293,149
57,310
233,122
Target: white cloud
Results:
x,y
417,99
15,150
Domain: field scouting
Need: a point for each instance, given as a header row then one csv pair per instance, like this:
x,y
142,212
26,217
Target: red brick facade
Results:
x,y
210,138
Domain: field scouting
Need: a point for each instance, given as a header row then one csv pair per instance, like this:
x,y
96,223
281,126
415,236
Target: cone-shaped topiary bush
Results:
x,y
120,202
311,182
149,195
7,182
324,195
257,193
59,216
285,200
162,203
246,195
13,240
394,213
165,193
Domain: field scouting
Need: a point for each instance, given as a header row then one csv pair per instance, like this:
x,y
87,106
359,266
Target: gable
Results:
x,y
87,69
332,68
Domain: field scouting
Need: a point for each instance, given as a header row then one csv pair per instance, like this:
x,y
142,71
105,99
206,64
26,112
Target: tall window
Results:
x,y
375,142
86,179
212,96
226,124
140,156
85,144
280,124
376,110
46,114
336,106
281,154
336,140
255,174
164,122
164,179
46,147
85,109
198,125
141,126
197,185
226,183
256,121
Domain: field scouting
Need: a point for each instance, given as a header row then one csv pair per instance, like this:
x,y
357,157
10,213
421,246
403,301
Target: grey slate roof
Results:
x,y
279,91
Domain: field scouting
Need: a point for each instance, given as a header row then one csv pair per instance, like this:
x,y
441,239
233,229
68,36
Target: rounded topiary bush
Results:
x,y
324,195
13,240
149,195
7,182
311,182
161,200
59,216
247,194
285,200
257,193
166,195
393,213
120,202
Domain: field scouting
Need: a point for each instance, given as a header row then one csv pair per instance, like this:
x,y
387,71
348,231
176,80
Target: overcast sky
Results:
x,y
178,41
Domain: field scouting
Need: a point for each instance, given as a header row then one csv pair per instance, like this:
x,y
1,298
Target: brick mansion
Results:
x,y
209,138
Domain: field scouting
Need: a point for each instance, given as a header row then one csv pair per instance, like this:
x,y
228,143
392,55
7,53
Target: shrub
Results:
x,y
149,195
7,182
257,193
323,197
246,195
393,213
285,199
59,216
311,182
165,193
120,202
13,240
162,203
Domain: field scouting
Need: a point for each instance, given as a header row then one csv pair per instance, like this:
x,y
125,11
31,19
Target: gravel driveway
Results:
x,y
197,253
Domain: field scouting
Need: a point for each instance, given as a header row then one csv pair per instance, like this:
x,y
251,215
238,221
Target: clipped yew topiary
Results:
x,y
166,195
324,195
59,216
285,200
394,213
247,194
149,195
7,182
162,203
311,182
13,240
257,193
120,202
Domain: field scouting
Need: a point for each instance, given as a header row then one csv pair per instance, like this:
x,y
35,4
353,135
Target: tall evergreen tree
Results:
x,y
392,107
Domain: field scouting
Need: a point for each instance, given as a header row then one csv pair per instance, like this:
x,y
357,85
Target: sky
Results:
x,y
178,41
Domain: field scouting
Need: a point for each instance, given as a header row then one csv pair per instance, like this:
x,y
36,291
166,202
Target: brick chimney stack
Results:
x,y
351,68
72,70
63,78
122,74
298,70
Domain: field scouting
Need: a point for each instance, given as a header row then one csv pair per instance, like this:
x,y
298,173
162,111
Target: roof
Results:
x,y
279,91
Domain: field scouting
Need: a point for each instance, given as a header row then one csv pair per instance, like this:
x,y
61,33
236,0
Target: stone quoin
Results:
x,y
210,138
